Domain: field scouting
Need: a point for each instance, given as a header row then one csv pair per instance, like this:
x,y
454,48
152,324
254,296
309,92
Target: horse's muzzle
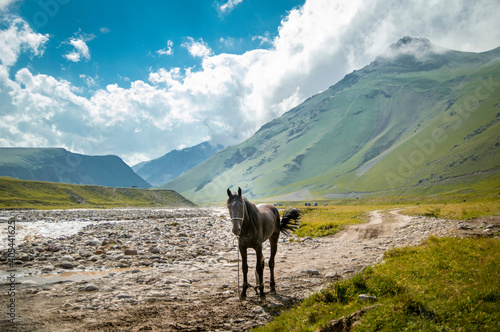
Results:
x,y
236,231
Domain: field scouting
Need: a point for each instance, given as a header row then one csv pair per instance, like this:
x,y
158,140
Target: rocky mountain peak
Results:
x,y
420,48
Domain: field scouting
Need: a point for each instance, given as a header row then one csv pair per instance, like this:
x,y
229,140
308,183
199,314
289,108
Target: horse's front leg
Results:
x,y
260,271
244,268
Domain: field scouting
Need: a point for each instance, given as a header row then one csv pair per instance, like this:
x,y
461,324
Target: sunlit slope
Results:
x,y
21,194
400,125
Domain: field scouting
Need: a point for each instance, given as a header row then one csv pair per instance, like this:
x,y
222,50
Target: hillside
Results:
x,y
161,170
416,121
16,194
59,165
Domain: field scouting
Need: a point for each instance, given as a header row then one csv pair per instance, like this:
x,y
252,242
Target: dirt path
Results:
x,y
192,286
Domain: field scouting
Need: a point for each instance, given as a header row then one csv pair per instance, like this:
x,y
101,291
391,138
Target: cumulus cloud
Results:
x,y
229,5
167,50
197,48
265,39
229,96
90,81
6,3
17,38
80,48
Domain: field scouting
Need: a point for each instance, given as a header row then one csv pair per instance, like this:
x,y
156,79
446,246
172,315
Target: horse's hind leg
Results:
x,y
274,249
258,280
260,271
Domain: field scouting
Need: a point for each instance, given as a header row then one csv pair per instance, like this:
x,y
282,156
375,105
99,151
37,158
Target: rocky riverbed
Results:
x,y
175,269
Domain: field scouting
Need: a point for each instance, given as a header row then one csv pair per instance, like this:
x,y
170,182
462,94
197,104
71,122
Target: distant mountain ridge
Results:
x,y
24,194
418,120
60,165
166,168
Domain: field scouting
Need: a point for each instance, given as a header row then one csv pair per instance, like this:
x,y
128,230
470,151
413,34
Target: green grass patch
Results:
x,y
328,220
20,194
323,220
446,284
460,211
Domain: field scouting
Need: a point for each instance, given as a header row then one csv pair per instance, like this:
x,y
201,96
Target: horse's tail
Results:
x,y
290,221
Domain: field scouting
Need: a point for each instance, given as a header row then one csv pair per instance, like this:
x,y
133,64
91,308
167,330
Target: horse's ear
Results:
x,y
239,191
229,193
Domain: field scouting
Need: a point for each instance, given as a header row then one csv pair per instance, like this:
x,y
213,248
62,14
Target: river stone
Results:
x,y
48,268
366,297
257,310
90,288
311,272
130,252
53,248
66,265
94,258
23,257
154,250
334,276
93,243
124,296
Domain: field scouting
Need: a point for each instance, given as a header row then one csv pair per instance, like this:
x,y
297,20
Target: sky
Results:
x,y
138,79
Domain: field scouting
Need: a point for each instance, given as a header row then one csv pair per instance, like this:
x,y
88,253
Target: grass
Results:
x,y
459,211
329,217
328,220
20,194
447,284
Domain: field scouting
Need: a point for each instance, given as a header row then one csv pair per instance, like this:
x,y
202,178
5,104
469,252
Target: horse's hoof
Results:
x,y
262,298
272,291
243,297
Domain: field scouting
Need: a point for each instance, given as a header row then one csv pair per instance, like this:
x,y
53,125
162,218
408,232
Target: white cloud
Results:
x,y
80,48
105,30
172,77
6,3
228,42
19,37
197,48
229,5
265,39
90,81
72,56
167,50
230,96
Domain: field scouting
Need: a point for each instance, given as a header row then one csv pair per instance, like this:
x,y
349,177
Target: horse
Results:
x,y
254,225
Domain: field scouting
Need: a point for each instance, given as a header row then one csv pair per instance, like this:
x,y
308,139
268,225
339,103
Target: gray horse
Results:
x,y
253,225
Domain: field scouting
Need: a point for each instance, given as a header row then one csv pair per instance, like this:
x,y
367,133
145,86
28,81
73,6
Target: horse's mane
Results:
x,y
252,210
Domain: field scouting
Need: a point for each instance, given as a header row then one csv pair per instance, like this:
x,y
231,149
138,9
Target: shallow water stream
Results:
x,y
74,275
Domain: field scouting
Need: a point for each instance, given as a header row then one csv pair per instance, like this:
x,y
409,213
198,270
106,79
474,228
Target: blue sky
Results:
x,y
140,78
129,39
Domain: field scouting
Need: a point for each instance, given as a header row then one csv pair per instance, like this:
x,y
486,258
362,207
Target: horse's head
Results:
x,y
236,206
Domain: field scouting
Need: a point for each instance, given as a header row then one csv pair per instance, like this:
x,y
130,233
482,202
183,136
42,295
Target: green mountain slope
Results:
x,y
59,165
417,121
171,165
22,194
